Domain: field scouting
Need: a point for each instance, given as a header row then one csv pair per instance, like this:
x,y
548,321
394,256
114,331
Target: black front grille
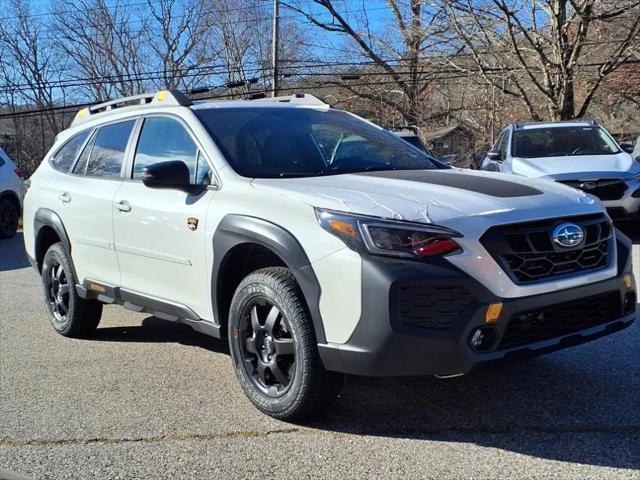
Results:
x,y
527,253
605,189
561,319
433,307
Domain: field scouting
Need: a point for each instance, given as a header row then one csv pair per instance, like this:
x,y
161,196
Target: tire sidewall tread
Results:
x,y
84,315
312,387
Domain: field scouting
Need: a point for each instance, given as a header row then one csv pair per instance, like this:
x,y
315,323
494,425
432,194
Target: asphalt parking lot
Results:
x,y
149,399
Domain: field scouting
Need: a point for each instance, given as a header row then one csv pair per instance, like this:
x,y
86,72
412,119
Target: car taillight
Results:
x,y
19,172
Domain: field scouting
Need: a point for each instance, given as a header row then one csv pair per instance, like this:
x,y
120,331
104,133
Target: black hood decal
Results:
x,y
494,187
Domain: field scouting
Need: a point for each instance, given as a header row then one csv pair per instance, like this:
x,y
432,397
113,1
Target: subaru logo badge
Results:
x,y
568,235
588,185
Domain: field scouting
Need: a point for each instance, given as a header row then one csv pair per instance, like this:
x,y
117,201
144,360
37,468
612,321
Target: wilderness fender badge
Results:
x,y
192,223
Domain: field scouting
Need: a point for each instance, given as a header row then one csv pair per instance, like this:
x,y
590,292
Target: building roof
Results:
x,y
443,132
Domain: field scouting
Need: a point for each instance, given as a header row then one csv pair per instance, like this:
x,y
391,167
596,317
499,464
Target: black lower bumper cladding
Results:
x,y
417,319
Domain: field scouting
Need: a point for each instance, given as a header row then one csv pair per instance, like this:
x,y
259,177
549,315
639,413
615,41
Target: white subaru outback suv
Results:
x,y
316,242
578,153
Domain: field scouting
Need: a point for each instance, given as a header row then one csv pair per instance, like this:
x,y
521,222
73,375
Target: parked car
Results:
x,y
11,193
580,154
241,220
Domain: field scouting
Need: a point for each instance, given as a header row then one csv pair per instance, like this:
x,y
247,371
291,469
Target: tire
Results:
x,y
9,215
274,348
70,315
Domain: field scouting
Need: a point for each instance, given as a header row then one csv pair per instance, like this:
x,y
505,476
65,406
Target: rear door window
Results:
x,y
64,158
107,154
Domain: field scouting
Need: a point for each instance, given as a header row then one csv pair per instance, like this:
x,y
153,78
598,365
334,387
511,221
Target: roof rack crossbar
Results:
x,y
164,97
297,98
110,105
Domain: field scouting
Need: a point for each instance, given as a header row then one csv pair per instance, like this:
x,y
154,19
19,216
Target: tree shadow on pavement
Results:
x,y
579,406
12,254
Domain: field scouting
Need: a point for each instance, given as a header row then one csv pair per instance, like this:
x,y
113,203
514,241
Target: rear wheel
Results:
x,y
9,215
70,315
274,349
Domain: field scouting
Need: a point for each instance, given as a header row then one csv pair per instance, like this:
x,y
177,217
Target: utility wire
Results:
x,y
323,85
221,70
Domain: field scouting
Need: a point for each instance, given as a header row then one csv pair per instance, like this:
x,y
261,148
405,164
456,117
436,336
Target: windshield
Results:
x,y
283,142
562,141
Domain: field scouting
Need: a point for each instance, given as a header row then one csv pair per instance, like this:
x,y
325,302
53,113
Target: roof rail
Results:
x,y
517,125
297,98
165,97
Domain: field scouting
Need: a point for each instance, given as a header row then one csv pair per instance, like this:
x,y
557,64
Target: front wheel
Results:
x,y
274,349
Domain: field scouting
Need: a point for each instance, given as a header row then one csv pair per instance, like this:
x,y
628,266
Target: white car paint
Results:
x,y
150,249
574,168
577,166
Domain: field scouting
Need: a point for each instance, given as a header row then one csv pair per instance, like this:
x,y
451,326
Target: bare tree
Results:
x,y
234,28
106,45
536,51
179,36
396,53
28,64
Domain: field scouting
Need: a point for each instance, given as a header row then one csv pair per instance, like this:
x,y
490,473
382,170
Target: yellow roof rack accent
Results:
x,y
167,97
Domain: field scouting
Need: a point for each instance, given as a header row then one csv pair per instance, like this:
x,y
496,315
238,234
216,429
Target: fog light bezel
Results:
x,y
629,302
491,336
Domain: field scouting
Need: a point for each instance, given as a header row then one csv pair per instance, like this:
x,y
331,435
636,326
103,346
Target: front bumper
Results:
x,y
627,207
417,319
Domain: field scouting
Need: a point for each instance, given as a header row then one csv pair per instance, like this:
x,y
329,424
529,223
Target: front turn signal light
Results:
x,y
494,311
628,281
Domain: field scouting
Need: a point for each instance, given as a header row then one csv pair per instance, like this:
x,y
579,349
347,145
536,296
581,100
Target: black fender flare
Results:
x,y
235,230
46,217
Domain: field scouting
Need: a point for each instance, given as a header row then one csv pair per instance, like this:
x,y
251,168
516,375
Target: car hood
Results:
x,y
579,166
430,196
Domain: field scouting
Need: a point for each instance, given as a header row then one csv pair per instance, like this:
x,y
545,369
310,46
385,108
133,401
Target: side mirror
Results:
x,y
627,147
173,175
494,156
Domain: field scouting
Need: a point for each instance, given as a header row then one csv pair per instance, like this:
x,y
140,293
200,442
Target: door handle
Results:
x,y
64,197
123,206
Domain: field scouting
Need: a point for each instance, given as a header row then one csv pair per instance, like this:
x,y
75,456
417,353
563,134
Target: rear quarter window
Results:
x,y
66,155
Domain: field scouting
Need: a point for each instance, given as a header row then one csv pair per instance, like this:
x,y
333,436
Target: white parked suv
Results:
x,y
248,220
11,193
578,153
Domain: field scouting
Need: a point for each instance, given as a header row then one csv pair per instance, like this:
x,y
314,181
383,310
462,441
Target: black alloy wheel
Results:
x,y
71,315
57,292
274,348
267,349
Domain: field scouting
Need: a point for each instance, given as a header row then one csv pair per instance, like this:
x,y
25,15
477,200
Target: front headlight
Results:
x,y
388,237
